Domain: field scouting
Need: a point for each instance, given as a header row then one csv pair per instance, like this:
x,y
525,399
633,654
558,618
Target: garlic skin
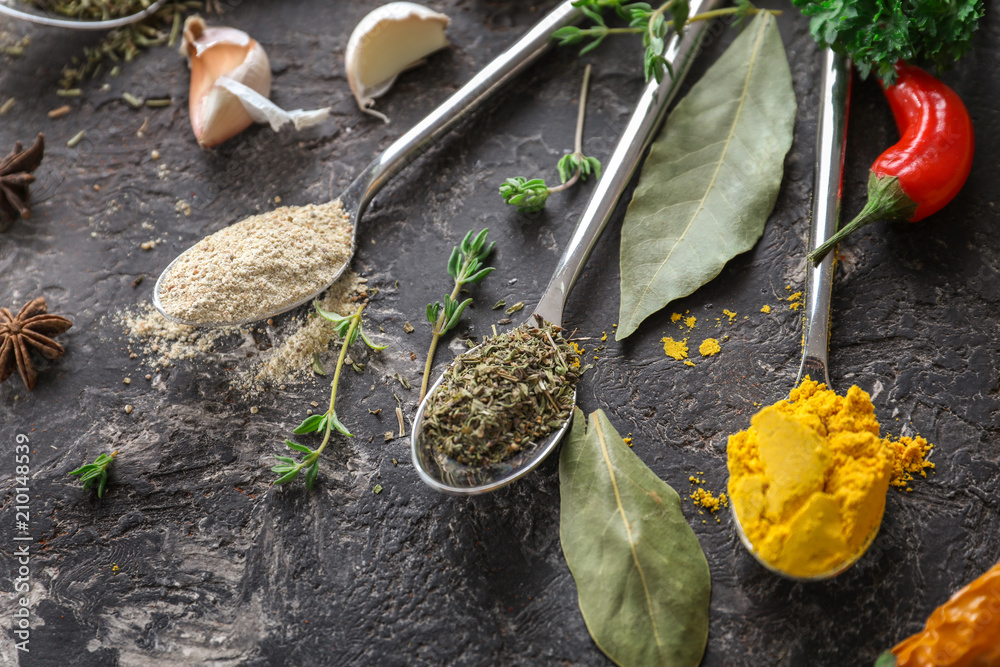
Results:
x,y
216,113
389,40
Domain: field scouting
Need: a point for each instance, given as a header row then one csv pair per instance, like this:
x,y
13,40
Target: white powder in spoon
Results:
x,y
260,265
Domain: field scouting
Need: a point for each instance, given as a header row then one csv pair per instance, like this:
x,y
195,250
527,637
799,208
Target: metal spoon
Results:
x,y
413,144
81,25
440,472
831,141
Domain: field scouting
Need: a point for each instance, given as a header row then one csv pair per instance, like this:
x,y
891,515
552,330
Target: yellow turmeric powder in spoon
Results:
x,y
808,479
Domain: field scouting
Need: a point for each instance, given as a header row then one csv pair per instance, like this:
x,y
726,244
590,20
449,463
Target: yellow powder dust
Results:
x,y
795,297
604,336
730,314
765,308
676,317
709,347
689,363
575,363
628,440
690,321
675,349
909,458
808,479
706,499
795,305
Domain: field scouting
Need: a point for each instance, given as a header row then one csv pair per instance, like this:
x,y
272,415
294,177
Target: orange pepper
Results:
x,y
963,632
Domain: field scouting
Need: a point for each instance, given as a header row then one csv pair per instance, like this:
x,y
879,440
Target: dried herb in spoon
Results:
x,y
503,397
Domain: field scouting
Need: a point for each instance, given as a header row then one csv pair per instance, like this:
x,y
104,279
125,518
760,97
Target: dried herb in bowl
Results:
x,y
502,398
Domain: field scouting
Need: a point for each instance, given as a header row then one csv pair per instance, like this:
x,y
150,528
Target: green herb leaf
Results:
x,y
284,479
433,309
711,178
333,317
311,423
337,425
297,447
317,366
311,473
368,341
98,470
625,539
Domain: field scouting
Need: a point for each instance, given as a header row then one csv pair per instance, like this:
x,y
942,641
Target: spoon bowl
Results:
x,y
445,475
359,194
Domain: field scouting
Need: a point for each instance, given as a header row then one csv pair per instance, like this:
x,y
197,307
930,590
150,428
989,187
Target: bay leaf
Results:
x,y
641,576
711,178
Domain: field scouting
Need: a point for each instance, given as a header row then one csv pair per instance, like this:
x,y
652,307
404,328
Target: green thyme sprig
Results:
x,y
96,471
349,328
466,266
643,19
530,195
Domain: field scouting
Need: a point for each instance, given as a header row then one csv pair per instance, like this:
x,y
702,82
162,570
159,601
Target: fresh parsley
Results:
x,y
876,34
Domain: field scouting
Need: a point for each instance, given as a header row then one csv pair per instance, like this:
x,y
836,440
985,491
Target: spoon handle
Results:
x,y
617,173
78,24
463,102
831,143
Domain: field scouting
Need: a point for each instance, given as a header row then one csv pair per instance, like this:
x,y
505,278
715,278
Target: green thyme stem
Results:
x,y
652,17
578,147
600,31
437,332
328,431
355,321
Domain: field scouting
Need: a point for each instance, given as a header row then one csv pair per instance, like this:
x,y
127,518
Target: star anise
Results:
x,y
32,327
15,175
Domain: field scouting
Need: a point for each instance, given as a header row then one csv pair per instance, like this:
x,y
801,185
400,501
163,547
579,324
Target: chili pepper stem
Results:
x,y
886,201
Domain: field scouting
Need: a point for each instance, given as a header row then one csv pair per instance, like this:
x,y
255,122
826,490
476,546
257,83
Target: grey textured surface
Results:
x,y
216,566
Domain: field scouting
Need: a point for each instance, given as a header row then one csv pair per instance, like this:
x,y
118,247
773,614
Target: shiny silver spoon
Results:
x,y
442,473
81,25
831,141
413,144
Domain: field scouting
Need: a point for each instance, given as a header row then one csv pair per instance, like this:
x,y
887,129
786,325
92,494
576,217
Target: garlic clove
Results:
x,y
389,40
216,113
230,85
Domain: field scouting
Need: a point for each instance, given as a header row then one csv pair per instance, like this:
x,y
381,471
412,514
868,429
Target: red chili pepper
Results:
x,y
928,166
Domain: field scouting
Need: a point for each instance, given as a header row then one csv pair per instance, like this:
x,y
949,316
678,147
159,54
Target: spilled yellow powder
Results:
x,y
795,297
706,499
909,458
689,363
575,363
730,314
628,440
709,347
676,349
795,305
604,336
765,308
676,317
690,321
808,479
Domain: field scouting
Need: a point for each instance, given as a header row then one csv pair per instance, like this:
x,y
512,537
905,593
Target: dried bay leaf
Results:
x,y
641,576
711,178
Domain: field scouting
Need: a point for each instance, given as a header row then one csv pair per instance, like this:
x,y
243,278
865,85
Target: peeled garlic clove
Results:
x,y
216,113
387,41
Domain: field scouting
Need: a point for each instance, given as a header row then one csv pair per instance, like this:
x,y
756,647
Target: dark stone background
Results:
x,y
216,566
